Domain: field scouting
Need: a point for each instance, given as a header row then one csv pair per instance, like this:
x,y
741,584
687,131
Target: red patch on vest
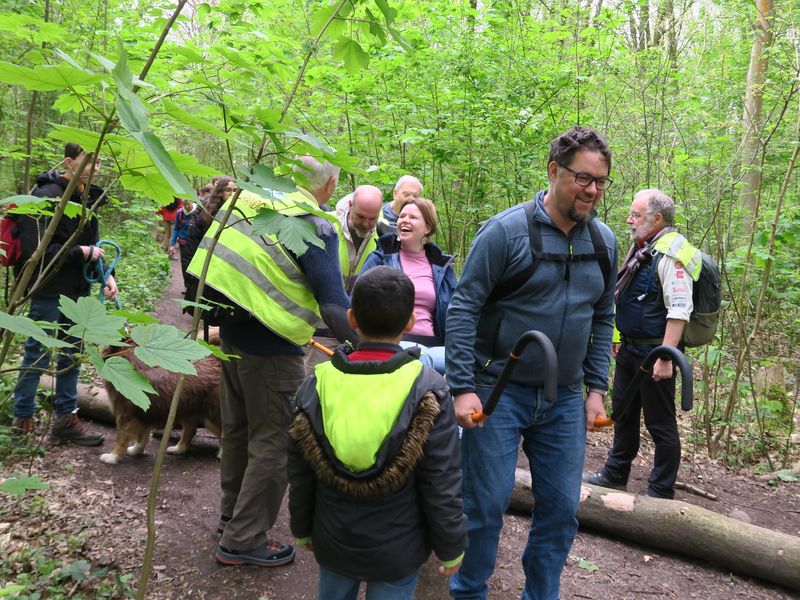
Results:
x,y
678,269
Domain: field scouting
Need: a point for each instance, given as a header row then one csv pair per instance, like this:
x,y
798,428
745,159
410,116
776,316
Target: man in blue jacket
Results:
x,y
80,235
565,291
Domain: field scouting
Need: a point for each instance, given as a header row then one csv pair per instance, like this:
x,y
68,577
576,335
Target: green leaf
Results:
x,y
92,323
266,178
21,200
95,358
787,477
19,485
77,570
313,141
28,328
389,13
352,54
11,589
257,190
215,350
128,381
398,37
47,77
107,64
236,56
133,318
587,565
68,102
165,164
152,184
191,120
294,233
375,28
164,346
322,17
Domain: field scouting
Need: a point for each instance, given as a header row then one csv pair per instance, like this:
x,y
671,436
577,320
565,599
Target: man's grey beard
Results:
x,y
580,218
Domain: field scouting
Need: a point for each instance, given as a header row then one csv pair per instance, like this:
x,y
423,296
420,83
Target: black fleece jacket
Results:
x,y
68,279
380,524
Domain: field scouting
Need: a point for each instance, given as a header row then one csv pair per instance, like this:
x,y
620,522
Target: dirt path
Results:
x,y
107,503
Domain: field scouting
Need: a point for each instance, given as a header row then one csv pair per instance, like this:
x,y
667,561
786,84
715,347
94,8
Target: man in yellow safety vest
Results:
x,y
279,298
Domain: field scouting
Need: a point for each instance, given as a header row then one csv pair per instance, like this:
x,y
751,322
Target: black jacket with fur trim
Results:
x,y
380,524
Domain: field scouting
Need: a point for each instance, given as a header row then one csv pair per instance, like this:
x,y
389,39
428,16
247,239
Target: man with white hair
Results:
x,y
654,302
406,188
278,299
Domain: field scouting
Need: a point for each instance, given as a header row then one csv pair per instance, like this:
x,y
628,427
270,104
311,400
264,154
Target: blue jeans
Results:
x,y
430,356
37,356
554,441
338,587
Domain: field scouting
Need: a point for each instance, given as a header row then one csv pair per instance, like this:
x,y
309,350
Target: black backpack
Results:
x,y
600,255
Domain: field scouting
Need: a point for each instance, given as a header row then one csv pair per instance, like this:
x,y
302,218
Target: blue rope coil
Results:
x,y
98,271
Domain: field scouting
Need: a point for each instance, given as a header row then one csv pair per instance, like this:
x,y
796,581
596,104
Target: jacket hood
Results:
x,y
52,177
403,447
55,177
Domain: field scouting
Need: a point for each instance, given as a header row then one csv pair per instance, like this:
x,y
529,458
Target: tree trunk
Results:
x,y
680,527
93,400
752,118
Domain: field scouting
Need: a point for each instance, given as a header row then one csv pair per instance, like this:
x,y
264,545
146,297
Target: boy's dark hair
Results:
x,y
72,150
564,147
382,302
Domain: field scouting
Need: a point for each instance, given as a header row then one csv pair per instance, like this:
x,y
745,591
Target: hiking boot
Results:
x,y
271,554
223,521
600,479
68,429
23,426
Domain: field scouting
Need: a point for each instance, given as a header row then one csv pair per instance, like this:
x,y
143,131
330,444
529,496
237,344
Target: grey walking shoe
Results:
x,y
271,554
68,429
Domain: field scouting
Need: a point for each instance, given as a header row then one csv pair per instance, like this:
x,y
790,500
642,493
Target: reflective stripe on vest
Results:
x,y
359,411
256,272
674,245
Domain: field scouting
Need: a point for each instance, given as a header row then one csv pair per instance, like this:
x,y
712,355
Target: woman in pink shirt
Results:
x,y
430,269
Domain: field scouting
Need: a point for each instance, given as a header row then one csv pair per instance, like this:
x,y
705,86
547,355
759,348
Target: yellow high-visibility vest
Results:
x,y
352,267
256,272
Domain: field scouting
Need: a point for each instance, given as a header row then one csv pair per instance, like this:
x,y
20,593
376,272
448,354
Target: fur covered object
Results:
x,y
198,406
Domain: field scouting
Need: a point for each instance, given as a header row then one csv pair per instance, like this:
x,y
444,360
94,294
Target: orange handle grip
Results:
x,y
316,345
603,422
479,417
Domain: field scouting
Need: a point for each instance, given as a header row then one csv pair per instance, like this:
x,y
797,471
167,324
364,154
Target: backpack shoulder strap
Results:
x,y
506,288
600,250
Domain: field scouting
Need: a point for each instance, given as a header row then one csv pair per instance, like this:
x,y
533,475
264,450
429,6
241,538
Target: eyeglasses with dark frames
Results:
x,y
585,179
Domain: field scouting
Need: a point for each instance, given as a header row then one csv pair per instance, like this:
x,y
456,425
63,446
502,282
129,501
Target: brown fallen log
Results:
x,y
93,400
684,528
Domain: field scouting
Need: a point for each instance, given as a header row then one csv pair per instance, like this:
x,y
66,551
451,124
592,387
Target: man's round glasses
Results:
x,y
585,180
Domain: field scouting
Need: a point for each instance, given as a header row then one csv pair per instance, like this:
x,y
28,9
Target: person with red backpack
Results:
x,y
67,280
180,229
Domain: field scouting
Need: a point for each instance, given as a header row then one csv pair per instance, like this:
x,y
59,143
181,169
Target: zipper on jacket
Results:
x,y
569,262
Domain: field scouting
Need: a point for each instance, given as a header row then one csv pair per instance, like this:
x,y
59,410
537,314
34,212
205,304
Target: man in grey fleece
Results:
x,y
567,293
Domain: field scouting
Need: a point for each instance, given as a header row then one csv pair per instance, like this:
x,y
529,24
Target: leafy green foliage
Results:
x,y
28,328
294,233
164,346
92,322
127,380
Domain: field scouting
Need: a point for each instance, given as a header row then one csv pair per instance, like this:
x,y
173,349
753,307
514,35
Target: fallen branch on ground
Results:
x,y
684,528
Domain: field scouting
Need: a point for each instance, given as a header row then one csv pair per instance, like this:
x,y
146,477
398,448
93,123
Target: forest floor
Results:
x,y
103,507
